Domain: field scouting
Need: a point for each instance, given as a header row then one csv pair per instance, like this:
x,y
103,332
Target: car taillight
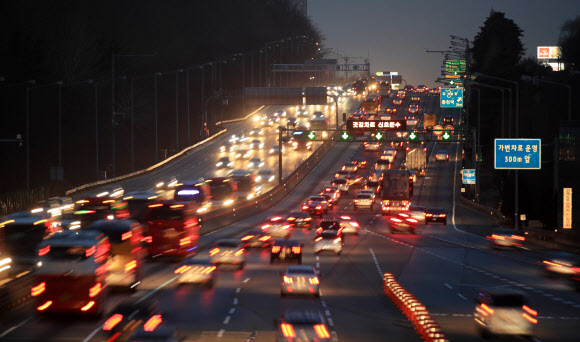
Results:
x,y
95,290
276,249
497,237
126,236
395,219
487,309
239,252
265,238
337,240
266,226
185,241
288,280
44,251
112,321
88,306
319,230
517,237
291,218
304,207
152,323
287,330
131,265
318,207
318,239
208,270
245,238
308,219
38,289
147,239
321,331
182,269
296,249
313,281
214,251
44,306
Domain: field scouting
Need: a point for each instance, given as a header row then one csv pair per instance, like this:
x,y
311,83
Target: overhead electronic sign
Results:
x,y
376,125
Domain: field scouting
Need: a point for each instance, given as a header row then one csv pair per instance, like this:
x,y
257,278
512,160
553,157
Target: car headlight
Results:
x,y
259,178
271,178
219,164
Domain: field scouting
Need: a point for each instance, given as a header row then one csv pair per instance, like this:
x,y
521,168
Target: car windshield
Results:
x,y
339,181
509,300
305,271
227,244
333,225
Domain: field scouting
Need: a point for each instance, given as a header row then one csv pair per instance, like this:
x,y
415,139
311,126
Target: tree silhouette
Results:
x,y
569,42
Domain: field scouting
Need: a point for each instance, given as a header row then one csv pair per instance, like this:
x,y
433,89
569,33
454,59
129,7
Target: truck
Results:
x,y
396,192
417,160
429,120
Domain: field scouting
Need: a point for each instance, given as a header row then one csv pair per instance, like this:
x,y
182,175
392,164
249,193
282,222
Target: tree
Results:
x,y
570,42
497,48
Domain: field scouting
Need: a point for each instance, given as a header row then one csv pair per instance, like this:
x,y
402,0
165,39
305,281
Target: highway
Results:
x,y
443,266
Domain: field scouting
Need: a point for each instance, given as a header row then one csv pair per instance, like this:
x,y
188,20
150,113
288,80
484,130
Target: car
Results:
x,y
279,230
412,121
401,94
302,113
228,251
417,212
442,155
448,120
224,163
275,149
350,167
196,271
342,184
504,311
300,279
349,225
402,222
398,101
332,190
391,111
329,199
264,176
382,165
363,201
256,238
243,151
359,161
435,215
328,225
561,264
328,241
309,325
291,121
342,174
256,132
127,316
371,146
369,192
286,250
409,88
316,205
374,185
415,99
384,116
256,144
505,238
280,114
299,219
389,154
255,163
413,109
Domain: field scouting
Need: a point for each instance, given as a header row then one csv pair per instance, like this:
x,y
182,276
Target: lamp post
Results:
x,y
177,109
187,104
156,131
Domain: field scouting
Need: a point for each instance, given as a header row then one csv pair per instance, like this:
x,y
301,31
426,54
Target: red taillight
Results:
x,y
530,310
291,218
321,331
44,251
497,237
517,237
318,239
313,281
265,238
95,290
44,306
38,289
530,318
308,219
88,306
395,219
112,321
126,236
288,280
239,252
208,270
90,251
296,249
148,239
266,226
182,269
185,241
487,309
152,323
176,206
287,330
214,251
304,207
131,265
155,205
276,249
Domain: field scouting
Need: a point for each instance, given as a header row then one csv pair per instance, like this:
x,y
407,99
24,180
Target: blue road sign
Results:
x,y
468,176
518,154
451,97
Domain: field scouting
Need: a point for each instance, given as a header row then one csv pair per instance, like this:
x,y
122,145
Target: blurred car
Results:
x,y
448,120
398,101
255,163
362,200
417,212
402,222
286,250
300,279
415,99
442,155
278,230
256,238
349,226
66,204
265,176
371,146
256,132
389,154
328,241
308,325
224,163
384,116
228,251
374,185
561,264
342,184
196,271
350,167
329,225
359,161
368,191
413,109
50,206
506,238
153,332
127,316
333,191
242,151
401,94
256,144
391,111
382,165
412,121
275,149
503,311
299,219
341,174
291,121
435,215
316,205
302,113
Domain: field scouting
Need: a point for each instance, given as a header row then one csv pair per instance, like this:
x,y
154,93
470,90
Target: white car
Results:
x,y
349,226
442,155
265,176
329,241
417,212
369,192
300,279
256,144
342,184
228,251
389,154
275,149
255,163
196,271
363,201
224,162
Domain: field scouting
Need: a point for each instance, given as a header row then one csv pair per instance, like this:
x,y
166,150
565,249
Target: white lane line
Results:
x,y
330,322
227,320
462,296
317,265
334,336
327,313
448,286
246,280
221,332
29,319
232,311
317,257
376,262
235,301
238,290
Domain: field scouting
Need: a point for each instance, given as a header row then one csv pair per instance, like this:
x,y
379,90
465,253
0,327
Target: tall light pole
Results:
x,y
177,109
156,130
187,104
59,125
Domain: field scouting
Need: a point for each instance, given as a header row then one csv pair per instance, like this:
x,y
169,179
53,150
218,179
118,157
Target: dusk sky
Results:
x,y
396,33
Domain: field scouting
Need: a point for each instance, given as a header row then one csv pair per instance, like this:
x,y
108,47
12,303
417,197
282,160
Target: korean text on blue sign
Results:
x,y
517,154
451,97
468,176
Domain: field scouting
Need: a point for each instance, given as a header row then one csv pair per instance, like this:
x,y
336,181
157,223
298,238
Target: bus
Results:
x,y
73,272
195,191
222,191
246,183
172,228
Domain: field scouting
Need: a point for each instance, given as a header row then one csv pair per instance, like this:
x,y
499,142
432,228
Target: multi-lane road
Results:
x,y
443,266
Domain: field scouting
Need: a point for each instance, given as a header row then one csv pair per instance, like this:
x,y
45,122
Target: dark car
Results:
x,y
128,316
359,161
299,219
372,185
448,120
329,225
435,215
286,250
256,238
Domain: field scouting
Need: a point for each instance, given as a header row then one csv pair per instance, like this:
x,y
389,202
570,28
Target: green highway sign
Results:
x,y
412,136
344,136
455,66
446,136
312,135
379,136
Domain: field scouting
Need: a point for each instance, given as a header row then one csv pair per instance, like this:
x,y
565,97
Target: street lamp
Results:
x,y
156,131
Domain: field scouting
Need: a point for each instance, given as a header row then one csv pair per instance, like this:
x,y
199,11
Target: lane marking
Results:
x,y
227,320
462,296
28,320
235,301
448,286
330,322
238,290
232,310
221,332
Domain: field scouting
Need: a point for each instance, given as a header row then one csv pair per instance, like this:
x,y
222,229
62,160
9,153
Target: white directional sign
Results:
x,y
468,176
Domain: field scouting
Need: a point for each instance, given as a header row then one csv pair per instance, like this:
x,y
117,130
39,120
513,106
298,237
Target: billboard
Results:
x,y
548,52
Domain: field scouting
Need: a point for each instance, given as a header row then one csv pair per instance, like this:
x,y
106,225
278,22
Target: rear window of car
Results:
x,y
339,181
363,196
229,244
330,225
514,300
300,271
286,243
